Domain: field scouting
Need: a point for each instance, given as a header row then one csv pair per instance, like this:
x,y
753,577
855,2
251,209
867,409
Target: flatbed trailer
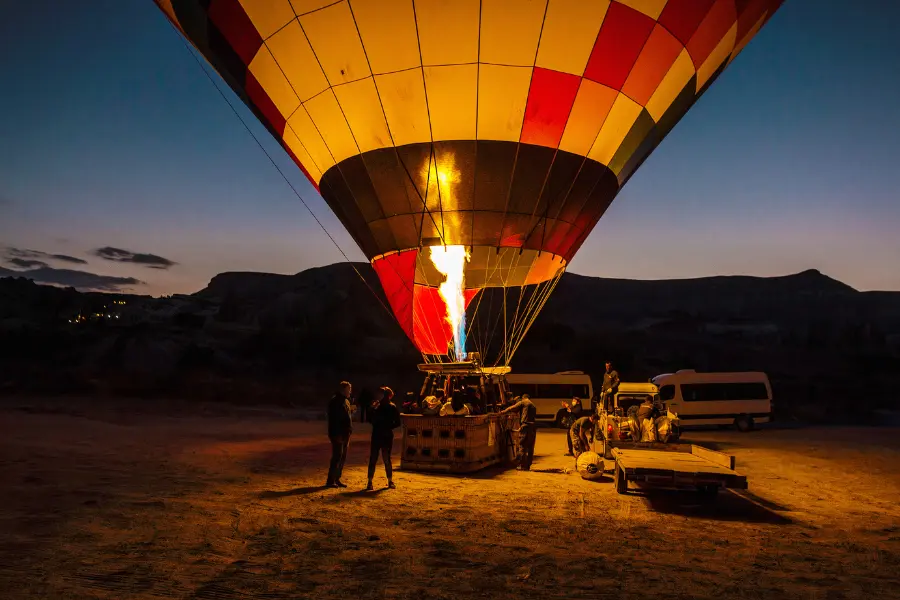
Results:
x,y
680,466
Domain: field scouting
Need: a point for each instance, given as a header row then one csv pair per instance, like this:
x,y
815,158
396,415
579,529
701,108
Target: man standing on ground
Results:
x,y
610,385
339,429
581,435
527,431
385,419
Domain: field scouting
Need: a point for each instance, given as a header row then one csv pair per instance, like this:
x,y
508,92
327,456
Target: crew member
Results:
x,y
527,431
610,385
339,429
581,435
385,419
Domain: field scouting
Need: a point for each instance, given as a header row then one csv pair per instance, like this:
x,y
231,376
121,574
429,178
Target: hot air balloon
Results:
x,y
469,146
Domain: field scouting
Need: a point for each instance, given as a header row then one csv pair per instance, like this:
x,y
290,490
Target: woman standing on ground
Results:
x,y
385,419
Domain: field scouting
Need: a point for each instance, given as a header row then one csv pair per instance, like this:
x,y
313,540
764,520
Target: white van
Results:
x,y
739,399
548,391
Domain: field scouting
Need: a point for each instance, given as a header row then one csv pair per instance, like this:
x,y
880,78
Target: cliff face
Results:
x,y
830,350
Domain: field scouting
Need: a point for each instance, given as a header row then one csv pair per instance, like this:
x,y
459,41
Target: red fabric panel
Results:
x,y
264,104
748,12
550,100
683,17
618,45
229,18
711,31
397,274
432,330
657,56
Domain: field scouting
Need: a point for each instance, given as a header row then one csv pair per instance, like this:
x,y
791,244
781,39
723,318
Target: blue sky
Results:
x,y
112,137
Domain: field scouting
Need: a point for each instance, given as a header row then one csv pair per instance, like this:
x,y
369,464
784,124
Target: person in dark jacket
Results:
x,y
527,432
610,385
385,419
581,434
340,427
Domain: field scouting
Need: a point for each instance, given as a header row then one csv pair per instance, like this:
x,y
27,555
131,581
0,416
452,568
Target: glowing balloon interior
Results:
x,y
504,127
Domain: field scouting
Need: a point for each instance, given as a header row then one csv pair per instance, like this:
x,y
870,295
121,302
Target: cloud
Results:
x,y
81,280
27,263
23,253
119,255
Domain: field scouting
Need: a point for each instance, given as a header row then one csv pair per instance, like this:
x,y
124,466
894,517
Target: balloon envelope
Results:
x,y
505,126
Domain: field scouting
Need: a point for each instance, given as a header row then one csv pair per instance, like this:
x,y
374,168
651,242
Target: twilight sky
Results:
x,y
119,161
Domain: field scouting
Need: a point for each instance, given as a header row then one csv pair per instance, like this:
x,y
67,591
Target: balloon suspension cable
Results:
x,y
277,168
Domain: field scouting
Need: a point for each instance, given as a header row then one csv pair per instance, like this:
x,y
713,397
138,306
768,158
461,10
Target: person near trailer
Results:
x,y
527,432
411,404
581,435
610,385
340,427
385,419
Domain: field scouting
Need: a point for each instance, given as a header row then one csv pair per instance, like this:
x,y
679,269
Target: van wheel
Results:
x,y
563,419
744,423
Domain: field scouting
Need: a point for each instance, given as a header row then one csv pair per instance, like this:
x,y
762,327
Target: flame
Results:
x,y
451,262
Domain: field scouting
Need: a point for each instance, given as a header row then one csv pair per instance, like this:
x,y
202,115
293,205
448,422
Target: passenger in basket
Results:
x,y
456,407
339,429
581,435
385,419
431,406
527,431
410,405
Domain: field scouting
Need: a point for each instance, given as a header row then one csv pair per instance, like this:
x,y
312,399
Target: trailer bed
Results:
x,y
682,466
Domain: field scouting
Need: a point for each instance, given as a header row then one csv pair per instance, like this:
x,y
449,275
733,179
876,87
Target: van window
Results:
x,y
554,390
667,392
518,389
711,392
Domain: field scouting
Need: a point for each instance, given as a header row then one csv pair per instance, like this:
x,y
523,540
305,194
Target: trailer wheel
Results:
x,y
708,493
744,423
621,482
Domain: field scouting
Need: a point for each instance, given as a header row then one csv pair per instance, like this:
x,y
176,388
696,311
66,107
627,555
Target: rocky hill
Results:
x,y
832,352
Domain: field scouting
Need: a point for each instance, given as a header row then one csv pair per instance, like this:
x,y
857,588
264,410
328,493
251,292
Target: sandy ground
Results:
x,y
113,502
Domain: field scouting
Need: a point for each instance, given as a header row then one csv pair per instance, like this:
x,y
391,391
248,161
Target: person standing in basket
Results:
x,y
527,431
340,427
385,419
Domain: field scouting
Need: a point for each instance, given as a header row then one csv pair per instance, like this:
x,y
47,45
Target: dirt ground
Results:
x,y
119,501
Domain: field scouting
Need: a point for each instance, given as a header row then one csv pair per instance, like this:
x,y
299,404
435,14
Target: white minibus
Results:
x,y
739,399
548,391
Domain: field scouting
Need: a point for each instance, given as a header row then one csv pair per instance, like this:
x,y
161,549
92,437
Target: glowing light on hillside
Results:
x,y
451,262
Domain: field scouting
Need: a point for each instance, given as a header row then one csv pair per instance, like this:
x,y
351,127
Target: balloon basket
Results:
x,y
457,444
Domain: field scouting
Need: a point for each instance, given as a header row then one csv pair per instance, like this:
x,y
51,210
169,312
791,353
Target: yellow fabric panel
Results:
x,y
719,54
305,6
570,30
360,104
295,57
403,98
502,95
326,114
389,48
622,115
296,146
273,81
510,30
307,134
544,267
333,36
451,93
750,35
651,8
269,16
672,84
592,104
448,31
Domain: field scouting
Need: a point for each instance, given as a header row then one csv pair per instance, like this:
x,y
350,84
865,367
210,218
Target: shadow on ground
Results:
x,y
728,506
